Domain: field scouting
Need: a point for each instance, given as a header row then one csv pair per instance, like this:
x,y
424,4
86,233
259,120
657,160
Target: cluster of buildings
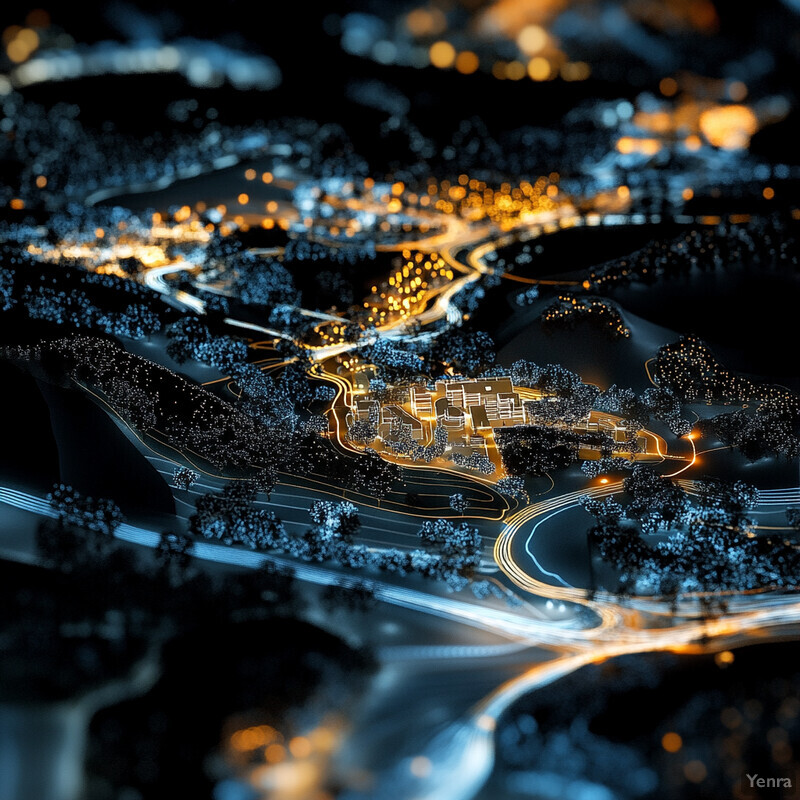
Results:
x,y
469,410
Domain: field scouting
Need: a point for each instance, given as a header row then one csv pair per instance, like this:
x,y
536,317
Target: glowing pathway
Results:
x,y
496,620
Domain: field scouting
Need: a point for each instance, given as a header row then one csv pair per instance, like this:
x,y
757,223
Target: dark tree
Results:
x,y
184,478
174,551
465,352
533,450
458,503
73,508
370,474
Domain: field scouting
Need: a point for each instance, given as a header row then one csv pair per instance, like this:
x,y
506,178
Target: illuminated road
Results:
x,y
508,623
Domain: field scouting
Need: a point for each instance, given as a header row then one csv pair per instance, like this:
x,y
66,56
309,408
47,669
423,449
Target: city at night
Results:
x,y
401,400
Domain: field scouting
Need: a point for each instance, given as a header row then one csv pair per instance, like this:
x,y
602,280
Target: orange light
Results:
x,y
243,199
29,38
275,753
41,181
737,91
695,771
17,50
532,39
17,204
625,144
649,146
252,738
768,193
539,68
467,62
442,54
671,742
575,71
499,69
668,86
38,18
426,22
515,70
687,193
300,747
693,142
10,33
603,480
729,127
724,658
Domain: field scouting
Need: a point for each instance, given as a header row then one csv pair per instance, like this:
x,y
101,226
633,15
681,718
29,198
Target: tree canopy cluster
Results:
x,y
711,542
233,517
